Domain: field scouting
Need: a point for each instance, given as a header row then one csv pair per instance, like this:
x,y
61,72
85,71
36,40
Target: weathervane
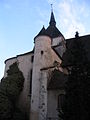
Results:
x,y
51,7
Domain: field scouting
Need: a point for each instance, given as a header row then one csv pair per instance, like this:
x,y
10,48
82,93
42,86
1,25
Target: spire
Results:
x,y
52,19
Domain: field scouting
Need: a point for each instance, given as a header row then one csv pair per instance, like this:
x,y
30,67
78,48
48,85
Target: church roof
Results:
x,y
52,31
67,56
52,20
42,32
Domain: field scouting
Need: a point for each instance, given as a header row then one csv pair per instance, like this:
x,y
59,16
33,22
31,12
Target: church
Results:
x,y
43,91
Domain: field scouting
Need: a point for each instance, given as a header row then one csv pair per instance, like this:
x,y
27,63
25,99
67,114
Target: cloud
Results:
x,y
51,1
65,6
73,28
69,19
70,16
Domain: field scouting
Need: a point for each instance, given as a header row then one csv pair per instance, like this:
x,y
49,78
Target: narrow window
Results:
x,y
30,81
61,99
32,58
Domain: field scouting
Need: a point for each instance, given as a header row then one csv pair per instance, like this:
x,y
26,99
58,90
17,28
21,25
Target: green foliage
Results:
x,y
10,88
6,108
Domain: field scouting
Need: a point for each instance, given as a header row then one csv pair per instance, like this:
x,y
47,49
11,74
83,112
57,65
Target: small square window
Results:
x,y
41,52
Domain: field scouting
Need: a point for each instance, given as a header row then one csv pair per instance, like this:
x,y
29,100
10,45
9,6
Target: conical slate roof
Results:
x,y
52,31
42,32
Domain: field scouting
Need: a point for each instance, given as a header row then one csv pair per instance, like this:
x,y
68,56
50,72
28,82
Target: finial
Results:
x,y
77,34
51,7
52,19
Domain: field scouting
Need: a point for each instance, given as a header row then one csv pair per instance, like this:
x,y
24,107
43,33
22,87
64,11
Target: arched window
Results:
x,y
61,99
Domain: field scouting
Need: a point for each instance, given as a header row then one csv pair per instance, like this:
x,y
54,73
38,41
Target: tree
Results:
x,y
76,106
10,88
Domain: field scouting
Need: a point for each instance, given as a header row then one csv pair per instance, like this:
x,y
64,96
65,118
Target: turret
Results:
x,y
44,57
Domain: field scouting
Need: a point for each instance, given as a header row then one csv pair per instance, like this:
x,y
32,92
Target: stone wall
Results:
x,y
25,65
44,56
52,103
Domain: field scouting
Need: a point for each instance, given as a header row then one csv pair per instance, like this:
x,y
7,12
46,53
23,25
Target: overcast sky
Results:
x,y
21,20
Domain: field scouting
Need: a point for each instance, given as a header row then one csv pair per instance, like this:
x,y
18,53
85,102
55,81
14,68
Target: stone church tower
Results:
x,y
36,99
44,58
